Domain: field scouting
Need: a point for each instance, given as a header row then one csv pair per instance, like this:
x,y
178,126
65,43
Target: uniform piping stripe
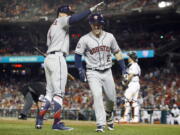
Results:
x,y
103,53
60,70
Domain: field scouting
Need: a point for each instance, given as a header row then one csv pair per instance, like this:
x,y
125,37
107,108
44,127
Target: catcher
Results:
x,y
131,83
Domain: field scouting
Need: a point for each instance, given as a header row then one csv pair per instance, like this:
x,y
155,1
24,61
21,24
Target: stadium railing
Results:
x,y
73,114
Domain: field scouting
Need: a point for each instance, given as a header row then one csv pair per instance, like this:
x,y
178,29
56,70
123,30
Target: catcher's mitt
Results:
x,y
125,81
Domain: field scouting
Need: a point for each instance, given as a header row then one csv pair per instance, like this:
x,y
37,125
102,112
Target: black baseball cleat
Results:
x,y
100,129
22,117
110,126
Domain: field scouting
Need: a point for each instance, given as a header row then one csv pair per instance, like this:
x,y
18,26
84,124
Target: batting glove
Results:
x,y
96,6
82,75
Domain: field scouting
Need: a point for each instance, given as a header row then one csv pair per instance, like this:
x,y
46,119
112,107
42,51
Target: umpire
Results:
x,y
32,92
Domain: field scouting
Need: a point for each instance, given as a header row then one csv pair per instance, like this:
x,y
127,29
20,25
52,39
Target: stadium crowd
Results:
x,y
160,87
22,44
14,10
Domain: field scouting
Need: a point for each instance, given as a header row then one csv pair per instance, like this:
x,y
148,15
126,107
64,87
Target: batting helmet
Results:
x,y
133,56
65,9
96,19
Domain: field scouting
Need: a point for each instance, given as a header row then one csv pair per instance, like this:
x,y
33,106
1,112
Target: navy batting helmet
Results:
x,y
133,56
96,19
65,9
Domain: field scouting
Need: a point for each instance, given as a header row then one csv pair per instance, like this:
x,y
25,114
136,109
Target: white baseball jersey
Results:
x,y
58,36
134,69
132,91
97,51
98,56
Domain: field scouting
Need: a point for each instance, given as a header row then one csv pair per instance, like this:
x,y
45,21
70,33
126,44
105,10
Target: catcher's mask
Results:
x,y
133,56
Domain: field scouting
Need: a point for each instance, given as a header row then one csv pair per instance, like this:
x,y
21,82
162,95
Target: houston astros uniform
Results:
x,y
132,91
55,63
97,52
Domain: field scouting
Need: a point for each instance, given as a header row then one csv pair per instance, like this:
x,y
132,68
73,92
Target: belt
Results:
x,y
54,52
93,69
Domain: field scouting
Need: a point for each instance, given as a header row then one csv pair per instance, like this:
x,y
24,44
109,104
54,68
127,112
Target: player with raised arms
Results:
x,y
55,63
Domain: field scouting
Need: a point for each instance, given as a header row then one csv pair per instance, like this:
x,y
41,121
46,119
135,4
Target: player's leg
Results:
x,y
28,102
48,98
59,79
135,103
95,85
178,120
128,97
110,93
127,108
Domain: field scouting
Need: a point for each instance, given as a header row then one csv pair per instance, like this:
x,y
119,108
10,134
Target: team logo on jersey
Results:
x,y
99,49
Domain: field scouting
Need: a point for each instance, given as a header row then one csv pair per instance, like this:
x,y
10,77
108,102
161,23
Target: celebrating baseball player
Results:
x,y
55,63
133,86
97,47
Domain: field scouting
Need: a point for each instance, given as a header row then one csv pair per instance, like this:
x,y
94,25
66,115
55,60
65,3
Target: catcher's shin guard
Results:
x,y
126,112
136,107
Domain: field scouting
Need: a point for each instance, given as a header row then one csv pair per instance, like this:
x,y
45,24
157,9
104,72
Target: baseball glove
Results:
x,y
125,81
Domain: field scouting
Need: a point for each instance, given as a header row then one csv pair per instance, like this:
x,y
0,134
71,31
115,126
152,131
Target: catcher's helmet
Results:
x,y
65,9
133,56
96,19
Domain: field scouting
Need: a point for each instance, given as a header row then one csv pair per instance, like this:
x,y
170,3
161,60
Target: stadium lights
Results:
x,y
164,4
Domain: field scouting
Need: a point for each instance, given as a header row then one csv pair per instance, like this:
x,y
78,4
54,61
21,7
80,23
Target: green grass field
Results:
x,y
12,126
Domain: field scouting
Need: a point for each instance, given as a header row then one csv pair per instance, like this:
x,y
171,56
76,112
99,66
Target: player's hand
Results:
x,y
101,4
82,75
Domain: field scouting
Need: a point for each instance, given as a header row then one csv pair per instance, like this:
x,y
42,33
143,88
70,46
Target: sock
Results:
x,y
45,106
57,109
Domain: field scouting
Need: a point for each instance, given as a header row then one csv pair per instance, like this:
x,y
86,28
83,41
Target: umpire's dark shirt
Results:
x,y
36,88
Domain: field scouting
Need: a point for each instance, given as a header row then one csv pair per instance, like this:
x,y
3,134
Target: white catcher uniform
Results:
x,y
97,53
55,63
131,93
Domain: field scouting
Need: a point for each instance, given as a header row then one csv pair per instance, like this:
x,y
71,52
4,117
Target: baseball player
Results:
x,y
55,63
97,47
133,86
175,114
31,92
